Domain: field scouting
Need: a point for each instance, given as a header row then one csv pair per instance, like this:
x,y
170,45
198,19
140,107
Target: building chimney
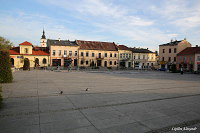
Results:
x,y
197,46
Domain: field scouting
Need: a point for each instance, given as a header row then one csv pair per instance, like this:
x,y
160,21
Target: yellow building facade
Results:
x,y
97,54
36,57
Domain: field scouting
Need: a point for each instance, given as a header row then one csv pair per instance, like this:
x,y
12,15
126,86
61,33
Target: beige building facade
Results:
x,y
97,54
63,53
143,58
125,57
169,51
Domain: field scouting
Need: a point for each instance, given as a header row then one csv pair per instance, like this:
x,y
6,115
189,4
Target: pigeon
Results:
x,y
87,89
61,92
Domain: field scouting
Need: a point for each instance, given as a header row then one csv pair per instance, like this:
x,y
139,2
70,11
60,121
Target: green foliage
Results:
x,y
5,67
173,68
5,44
26,64
1,99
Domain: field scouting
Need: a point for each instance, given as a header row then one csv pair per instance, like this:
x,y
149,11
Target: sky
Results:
x,y
134,23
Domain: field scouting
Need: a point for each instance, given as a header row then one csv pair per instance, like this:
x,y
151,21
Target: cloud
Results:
x,y
21,26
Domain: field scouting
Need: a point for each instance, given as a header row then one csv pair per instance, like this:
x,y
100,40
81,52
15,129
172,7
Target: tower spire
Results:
x,y
43,35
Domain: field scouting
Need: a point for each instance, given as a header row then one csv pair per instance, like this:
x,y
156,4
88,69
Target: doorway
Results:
x,y
98,63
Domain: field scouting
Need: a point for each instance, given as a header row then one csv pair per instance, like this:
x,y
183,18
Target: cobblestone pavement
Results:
x,y
116,102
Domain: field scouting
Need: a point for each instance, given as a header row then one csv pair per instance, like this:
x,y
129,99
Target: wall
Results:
x,y
23,47
62,48
18,62
123,58
96,53
197,62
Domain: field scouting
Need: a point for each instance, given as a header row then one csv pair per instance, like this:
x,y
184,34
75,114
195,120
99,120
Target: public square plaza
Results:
x,y
115,102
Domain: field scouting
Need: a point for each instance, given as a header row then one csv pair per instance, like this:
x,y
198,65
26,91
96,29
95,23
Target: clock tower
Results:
x,y
43,40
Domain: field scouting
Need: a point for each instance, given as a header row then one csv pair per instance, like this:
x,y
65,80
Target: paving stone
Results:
x,y
127,128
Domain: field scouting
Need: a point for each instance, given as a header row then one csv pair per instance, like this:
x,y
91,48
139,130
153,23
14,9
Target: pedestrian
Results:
x,y
181,70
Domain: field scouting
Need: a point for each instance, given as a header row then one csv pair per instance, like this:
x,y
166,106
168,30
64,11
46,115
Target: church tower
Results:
x,y
43,40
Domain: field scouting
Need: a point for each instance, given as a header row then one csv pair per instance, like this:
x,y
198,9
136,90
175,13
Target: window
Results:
x,y
115,55
105,55
110,62
110,54
70,53
198,58
26,50
138,56
163,58
169,59
60,52
82,54
92,54
120,55
170,50
174,50
44,61
133,57
99,55
54,52
151,64
65,52
76,53
174,59
86,62
82,62
115,63
87,54
163,50
184,58
143,56
147,64
12,61
126,55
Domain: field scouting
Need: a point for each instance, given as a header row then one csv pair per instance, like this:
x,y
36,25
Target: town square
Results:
x,y
116,101
100,66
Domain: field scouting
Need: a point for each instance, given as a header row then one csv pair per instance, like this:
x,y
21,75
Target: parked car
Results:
x,y
162,69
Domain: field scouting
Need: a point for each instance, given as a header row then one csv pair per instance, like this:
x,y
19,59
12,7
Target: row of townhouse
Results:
x,y
180,53
81,53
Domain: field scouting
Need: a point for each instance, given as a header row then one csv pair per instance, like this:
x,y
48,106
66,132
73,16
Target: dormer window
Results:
x,y
26,50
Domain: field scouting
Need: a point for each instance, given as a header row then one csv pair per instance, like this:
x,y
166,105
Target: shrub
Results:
x,y
5,67
1,99
26,65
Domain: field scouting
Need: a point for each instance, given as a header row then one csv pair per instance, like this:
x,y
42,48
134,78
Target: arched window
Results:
x,y
36,62
44,61
12,61
115,63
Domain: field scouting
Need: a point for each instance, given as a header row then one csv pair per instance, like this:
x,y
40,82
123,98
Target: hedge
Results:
x,y
1,99
5,67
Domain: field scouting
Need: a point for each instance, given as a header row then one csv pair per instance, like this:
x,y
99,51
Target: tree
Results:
x,y
5,67
26,64
5,44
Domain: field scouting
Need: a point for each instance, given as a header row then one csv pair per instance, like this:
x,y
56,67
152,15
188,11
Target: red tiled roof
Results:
x,y
189,51
122,47
94,45
15,51
26,43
